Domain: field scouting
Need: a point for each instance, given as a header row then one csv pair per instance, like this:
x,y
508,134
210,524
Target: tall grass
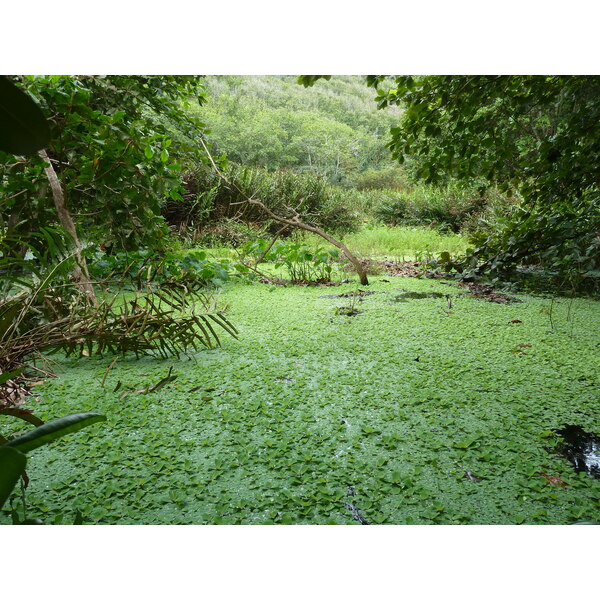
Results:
x,y
447,208
398,243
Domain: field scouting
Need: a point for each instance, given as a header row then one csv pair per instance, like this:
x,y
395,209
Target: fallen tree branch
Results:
x,y
293,222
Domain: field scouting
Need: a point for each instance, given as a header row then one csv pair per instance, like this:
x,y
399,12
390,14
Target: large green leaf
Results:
x,y
12,464
23,127
54,430
310,80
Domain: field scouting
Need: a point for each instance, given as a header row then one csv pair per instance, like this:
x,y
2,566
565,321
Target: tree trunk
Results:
x,y
80,272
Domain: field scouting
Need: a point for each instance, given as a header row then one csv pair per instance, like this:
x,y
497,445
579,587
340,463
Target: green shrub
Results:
x,y
209,200
447,208
559,243
493,215
392,208
392,178
150,265
303,262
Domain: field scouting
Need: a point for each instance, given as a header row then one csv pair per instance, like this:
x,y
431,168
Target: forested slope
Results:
x,y
333,128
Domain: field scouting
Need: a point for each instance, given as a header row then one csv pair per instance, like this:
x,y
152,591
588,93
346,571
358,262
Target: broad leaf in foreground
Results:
x,y
12,464
54,430
23,127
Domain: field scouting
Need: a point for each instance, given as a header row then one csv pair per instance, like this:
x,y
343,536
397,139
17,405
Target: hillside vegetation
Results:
x,y
333,128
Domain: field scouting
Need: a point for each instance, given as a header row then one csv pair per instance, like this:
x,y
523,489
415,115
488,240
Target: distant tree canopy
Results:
x,y
333,130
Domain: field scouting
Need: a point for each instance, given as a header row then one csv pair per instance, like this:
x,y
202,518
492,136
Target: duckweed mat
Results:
x,y
423,411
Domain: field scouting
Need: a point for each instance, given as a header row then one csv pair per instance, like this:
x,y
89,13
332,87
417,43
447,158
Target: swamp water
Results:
x,y
581,449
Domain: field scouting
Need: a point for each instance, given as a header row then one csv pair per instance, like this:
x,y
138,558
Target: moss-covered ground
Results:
x,y
408,412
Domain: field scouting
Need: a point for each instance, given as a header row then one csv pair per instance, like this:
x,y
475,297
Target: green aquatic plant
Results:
x,y
13,453
401,403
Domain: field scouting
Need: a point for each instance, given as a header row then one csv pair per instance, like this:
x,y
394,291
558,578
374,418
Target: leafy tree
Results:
x,y
537,134
117,146
249,132
327,147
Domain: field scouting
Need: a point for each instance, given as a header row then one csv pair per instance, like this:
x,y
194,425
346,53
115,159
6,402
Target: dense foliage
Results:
x,y
389,178
449,208
563,240
538,135
304,263
117,145
535,133
212,211
143,267
332,129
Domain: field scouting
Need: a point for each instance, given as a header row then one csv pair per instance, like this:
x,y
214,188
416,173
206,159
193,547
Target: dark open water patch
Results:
x,y
357,294
406,296
347,311
581,449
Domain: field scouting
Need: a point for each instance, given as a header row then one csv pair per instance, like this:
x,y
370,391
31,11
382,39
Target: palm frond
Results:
x,y
44,312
